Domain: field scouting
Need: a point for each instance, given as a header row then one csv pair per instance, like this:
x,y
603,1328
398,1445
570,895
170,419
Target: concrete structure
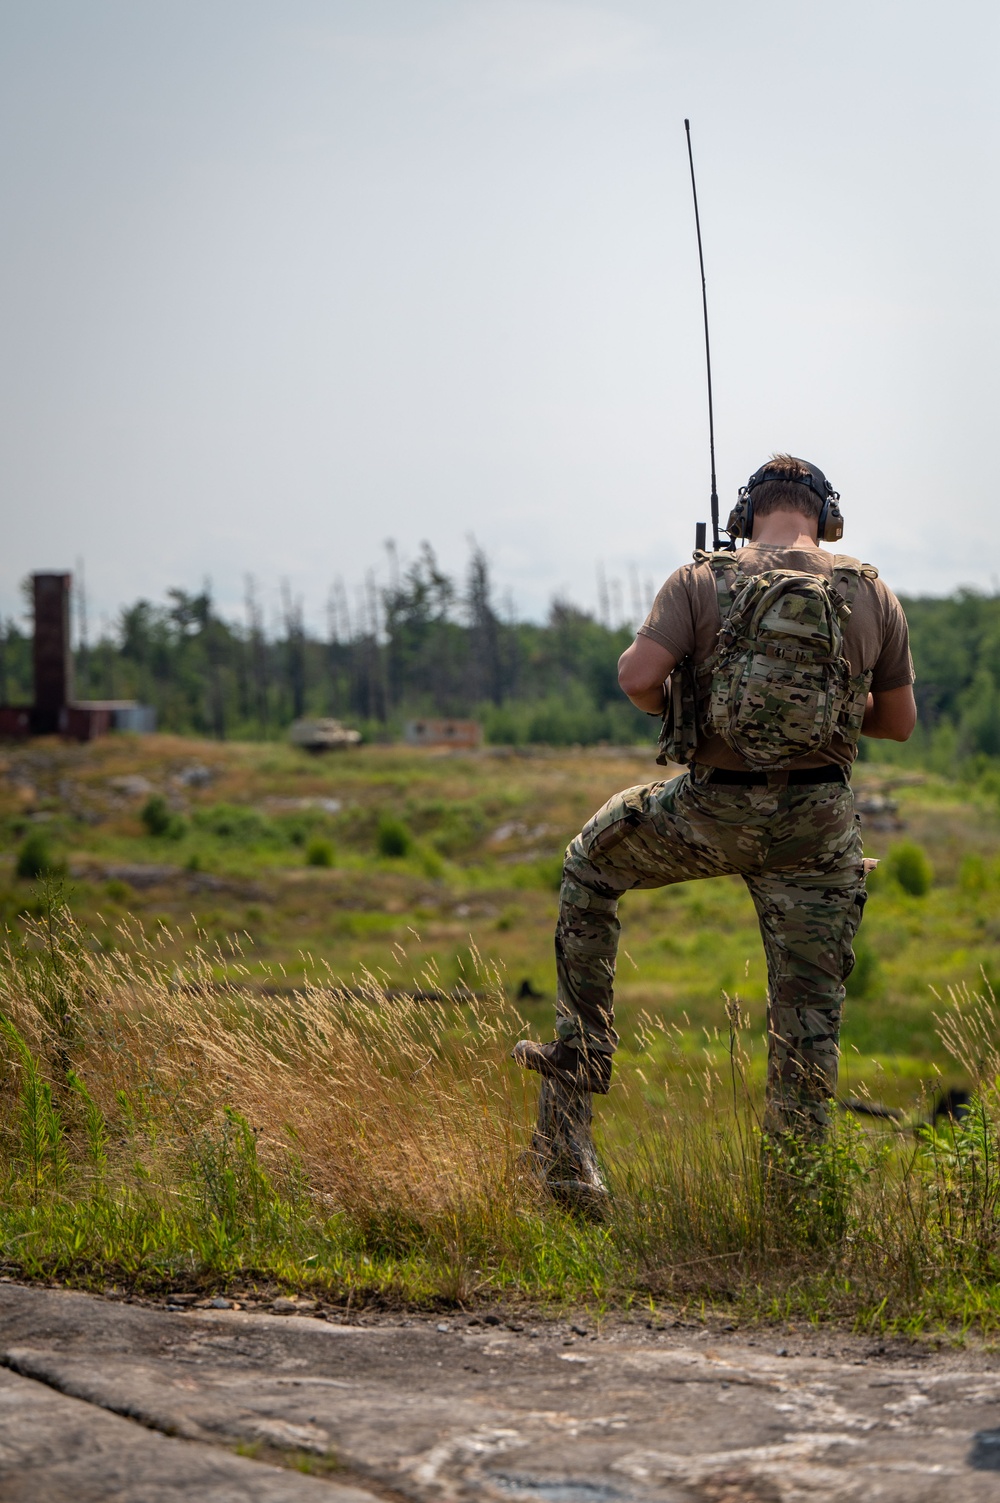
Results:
x,y
462,735
54,710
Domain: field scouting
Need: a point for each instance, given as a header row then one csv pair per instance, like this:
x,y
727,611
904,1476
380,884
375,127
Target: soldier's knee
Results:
x,y
579,893
575,863
578,946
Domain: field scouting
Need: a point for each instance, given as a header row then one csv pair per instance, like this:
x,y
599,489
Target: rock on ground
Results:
x,y
109,1400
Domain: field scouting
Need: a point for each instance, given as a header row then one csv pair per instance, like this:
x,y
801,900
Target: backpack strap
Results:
x,y
726,571
847,576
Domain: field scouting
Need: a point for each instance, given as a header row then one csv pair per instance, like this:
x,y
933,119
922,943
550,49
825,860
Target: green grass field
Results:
x,y
215,1075
481,838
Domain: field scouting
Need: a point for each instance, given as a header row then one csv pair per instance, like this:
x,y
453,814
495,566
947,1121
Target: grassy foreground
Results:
x,y
402,863
160,1131
260,1041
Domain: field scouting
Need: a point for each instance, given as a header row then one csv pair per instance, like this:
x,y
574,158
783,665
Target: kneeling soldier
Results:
x,y
767,664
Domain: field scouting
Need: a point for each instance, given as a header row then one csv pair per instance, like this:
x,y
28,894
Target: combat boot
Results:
x,y
575,1068
562,1153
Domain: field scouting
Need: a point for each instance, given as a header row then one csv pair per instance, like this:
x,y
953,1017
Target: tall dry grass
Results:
x,y
159,1126
395,1111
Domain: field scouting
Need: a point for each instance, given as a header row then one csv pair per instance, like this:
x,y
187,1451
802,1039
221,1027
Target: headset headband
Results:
x,y
813,478
830,523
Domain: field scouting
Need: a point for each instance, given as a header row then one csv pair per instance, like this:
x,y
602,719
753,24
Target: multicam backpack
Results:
x,y
778,686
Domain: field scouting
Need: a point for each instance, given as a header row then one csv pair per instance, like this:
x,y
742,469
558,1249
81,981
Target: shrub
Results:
x,y
431,864
35,858
909,866
570,716
160,820
972,875
393,838
237,824
320,852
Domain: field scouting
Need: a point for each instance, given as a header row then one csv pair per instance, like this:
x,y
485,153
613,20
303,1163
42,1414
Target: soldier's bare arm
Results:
x,y
891,715
643,669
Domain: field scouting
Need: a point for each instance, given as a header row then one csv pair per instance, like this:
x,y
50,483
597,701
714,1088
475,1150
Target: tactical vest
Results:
x,y
777,687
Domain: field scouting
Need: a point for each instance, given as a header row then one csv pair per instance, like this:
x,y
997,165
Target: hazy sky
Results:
x,y
280,281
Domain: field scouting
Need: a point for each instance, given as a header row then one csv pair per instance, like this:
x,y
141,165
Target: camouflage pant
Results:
x,y
797,848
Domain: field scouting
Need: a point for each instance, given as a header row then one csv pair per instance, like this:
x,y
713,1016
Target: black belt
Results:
x,y
796,775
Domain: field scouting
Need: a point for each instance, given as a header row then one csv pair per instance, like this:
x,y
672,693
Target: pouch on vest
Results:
x,y
679,731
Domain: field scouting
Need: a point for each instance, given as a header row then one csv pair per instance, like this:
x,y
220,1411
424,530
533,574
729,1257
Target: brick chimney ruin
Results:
x,y
54,710
51,654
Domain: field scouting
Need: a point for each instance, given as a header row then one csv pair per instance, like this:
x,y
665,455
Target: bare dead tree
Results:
x,y
603,601
214,652
258,651
295,654
80,597
638,614
378,698
484,628
617,603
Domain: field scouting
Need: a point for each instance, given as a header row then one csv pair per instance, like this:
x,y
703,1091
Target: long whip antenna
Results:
x,y
708,355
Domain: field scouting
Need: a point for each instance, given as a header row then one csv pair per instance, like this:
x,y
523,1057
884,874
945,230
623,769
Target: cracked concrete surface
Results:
x,y
107,1400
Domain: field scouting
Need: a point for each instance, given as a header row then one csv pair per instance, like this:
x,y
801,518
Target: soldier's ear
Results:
x,y
740,524
831,523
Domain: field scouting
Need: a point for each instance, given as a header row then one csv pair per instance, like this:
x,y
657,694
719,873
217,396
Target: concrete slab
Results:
x,y
448,1409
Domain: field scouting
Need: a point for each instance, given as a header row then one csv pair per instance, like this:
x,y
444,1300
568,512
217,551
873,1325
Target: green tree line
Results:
x,y
428,643
955,642
425,644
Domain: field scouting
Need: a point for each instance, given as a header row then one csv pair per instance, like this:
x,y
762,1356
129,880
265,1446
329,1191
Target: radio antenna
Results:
x,y
700,529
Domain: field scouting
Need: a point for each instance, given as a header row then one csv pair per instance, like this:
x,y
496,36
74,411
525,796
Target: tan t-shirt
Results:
x,y
685,620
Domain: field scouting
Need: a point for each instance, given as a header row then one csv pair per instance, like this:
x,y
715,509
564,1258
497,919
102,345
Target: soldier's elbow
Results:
x,y
892,716
905,721
643,668
630,682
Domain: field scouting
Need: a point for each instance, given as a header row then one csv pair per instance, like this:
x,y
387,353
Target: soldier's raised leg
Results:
x,y
577,1064
649,836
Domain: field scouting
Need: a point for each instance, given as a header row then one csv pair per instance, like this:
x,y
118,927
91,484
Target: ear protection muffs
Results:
x,y
830,526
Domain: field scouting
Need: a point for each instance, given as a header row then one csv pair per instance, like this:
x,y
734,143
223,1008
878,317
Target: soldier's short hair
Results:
x,y
783,494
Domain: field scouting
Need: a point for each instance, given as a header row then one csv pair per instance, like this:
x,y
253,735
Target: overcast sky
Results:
x,y
280,281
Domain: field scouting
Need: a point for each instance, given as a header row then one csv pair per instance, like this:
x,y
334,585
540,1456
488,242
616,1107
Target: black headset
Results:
x,y
830,526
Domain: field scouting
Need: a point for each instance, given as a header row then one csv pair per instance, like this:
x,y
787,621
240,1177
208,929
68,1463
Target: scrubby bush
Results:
x,y
35,858
238,824
909,865
320,852
569,717
973,875
392,837
160,820
457,825
431,864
